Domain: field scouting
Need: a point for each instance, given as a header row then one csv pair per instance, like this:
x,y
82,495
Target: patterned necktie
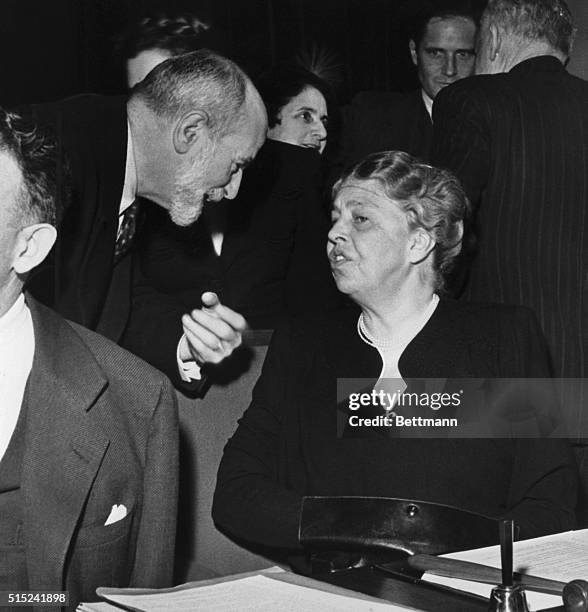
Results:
x,y
126,231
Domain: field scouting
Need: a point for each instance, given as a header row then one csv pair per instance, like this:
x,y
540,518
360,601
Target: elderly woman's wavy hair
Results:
x,y
432,198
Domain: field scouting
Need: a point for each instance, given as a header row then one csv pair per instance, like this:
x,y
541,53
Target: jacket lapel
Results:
x,y
64,446
431,355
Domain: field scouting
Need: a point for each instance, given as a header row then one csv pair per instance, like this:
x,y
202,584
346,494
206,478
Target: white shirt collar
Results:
x,y
17,349
11,319
428,101
130,185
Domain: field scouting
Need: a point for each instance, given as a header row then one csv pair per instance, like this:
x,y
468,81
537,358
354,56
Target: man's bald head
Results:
x,y
201,79
515,30
196,121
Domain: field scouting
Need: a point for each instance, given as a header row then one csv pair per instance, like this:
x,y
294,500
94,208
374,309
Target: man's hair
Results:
x,y
443,9
283,82
432,198
176,35
537,20
34,153
197,80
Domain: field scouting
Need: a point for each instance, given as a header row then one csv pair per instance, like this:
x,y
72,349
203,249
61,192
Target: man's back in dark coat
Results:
x,y
519,143
91,136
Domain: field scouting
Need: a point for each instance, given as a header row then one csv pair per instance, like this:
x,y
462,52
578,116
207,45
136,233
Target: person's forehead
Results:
x,y
368,193
10,178
449,32
310,97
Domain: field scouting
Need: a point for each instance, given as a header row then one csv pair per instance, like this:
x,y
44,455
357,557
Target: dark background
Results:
x,y
55,48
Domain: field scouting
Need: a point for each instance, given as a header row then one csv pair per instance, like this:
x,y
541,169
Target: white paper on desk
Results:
x,y
563,557
254,593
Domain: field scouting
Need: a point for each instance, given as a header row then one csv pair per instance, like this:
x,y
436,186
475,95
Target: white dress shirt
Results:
x,y
428,103
129,192
17,348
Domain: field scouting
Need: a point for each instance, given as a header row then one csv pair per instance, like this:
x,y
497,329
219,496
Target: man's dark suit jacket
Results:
x,y
286,444
519,143
91,135
101,429
80,279
273,259
384,121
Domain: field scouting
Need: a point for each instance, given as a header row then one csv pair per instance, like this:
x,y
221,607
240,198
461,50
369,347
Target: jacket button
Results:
x,y
412,510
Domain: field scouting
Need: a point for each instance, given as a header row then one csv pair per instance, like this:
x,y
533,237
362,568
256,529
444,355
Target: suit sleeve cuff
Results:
x,y
189,370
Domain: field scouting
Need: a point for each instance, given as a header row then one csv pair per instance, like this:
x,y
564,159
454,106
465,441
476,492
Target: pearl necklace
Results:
x,y
368,339
365,335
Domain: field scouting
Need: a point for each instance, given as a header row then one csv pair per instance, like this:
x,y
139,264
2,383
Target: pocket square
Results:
x,y
117,513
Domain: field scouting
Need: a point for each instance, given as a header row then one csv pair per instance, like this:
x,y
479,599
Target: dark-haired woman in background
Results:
x,y
397,228
262,253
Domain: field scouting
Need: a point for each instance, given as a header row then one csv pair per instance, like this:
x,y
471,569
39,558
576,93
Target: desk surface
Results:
x,y
420,595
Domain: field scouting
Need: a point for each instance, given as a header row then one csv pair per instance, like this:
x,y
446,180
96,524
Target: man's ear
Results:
x,y
572,43
495,41
33,244
413,51
189,129
421,244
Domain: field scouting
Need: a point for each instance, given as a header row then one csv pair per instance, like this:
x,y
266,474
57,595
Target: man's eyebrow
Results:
x,y
444,50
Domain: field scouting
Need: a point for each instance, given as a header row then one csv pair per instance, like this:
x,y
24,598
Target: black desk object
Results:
x,y
407,592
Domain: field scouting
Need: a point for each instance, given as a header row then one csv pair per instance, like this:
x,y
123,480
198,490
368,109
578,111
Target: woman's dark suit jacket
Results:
x,y
286,444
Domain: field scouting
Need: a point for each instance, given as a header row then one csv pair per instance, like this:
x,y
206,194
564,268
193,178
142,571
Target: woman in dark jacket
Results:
x,y
397,227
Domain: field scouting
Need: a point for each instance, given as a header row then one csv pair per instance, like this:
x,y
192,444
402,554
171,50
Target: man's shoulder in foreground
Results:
x,y
118,362
126,373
